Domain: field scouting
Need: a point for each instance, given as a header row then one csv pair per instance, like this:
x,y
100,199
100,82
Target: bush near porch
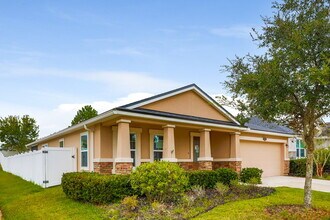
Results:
x,y
150,179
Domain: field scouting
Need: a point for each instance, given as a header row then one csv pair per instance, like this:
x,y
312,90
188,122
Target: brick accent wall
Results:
x,y
205,165
103,167
189,165
286,166
124,167
234,165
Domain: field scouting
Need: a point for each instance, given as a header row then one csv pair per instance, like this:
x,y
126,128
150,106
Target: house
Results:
x,y
297,148
184,126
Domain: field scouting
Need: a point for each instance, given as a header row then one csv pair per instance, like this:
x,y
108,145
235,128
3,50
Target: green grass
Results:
x,y
255,208
20,199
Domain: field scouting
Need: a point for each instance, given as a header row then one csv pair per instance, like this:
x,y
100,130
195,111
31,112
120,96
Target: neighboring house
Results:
x,y
185,126
297,148
324,138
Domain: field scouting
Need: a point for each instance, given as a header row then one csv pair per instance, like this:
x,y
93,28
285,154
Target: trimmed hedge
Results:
x,y
96,188
298,167
209,178
250,173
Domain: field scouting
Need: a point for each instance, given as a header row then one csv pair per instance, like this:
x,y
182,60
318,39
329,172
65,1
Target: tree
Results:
x,y
321,157
290,82
16,132
84,114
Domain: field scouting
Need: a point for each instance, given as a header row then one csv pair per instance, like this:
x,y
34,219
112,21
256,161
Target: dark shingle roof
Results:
x,y
258,124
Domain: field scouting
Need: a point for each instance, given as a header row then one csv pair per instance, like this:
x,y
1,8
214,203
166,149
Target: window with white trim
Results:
x,y
84,150
132,138
158,147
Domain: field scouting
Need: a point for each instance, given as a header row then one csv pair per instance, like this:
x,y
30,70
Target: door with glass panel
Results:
x,y
196,148
158,147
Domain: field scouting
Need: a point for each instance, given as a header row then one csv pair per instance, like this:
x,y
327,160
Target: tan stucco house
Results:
x,y
184,126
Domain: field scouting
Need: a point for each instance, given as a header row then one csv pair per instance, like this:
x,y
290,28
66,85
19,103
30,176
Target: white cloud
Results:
x,y
52,120
119,81
239,31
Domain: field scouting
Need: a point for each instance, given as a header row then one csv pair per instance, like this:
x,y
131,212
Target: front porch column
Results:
x,y
235,162
123,160
205,159
169,144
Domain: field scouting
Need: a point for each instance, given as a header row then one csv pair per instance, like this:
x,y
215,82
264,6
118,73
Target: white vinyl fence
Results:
x,y
44,167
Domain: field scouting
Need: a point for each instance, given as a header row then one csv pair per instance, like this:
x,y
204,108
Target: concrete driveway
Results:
x,y
295,182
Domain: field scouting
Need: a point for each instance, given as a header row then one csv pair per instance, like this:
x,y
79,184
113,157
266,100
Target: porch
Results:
x,y
122,145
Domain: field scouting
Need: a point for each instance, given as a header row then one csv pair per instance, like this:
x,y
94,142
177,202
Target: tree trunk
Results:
x,y
308,180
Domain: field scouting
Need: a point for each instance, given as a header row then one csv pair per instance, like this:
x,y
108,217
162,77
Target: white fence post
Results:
x,y
44,167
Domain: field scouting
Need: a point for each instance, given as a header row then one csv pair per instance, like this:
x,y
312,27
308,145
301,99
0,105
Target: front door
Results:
x,y
196,146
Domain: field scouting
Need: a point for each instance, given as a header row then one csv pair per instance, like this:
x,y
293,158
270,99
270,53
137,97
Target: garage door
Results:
x,y
266,156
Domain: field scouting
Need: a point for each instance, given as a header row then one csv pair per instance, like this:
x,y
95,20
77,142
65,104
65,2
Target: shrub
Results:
x,y
298,167
198,191
251,172
209,178
221,188
225,175
161,181
253,181
204,178
130,203
96,188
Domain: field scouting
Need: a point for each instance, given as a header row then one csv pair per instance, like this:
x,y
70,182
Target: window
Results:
x,y
34,148
158,147
132,138
61,143
84,150
300,149
44,145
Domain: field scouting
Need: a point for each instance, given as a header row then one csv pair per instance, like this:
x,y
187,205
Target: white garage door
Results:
x,y
266,156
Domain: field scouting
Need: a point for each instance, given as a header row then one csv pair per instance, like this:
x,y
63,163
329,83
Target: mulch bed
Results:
x,y
297,212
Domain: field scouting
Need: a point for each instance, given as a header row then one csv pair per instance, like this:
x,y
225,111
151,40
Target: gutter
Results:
x,y
269,133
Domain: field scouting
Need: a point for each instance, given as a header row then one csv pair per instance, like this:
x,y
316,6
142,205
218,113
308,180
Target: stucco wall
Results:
x,y
182,143
187,103
220,145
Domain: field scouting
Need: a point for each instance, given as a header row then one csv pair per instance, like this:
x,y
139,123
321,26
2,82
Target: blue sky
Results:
x,y
56,56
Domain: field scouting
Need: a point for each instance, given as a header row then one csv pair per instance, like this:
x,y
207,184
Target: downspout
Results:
x,y
91,146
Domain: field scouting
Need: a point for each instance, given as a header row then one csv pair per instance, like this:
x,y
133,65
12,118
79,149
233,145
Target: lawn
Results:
x,y
256,208
20,199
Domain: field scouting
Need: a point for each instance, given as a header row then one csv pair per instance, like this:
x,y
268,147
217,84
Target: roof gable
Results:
x,y
188,100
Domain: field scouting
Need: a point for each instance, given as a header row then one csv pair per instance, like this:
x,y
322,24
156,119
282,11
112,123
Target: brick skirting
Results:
x,y
234,165
103,167
189,165
205,165
124,167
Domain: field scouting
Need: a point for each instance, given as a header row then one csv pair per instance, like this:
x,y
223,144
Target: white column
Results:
x,y
205,146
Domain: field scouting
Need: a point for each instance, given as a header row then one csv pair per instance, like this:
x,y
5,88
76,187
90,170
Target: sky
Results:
x,y
57,56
